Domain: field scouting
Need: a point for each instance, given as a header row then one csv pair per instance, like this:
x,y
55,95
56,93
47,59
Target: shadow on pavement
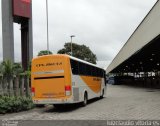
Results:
x,y
68,107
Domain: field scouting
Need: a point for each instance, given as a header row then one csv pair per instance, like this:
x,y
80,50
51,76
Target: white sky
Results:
x,y
103,25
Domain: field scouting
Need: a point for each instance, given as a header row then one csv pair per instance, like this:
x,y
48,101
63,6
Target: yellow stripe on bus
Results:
x,y
94,83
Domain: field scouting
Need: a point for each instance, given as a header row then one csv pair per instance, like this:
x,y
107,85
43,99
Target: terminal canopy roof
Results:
x,y
141,53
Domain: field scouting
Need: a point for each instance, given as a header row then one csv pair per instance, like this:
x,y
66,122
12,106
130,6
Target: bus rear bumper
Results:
x,y
53,101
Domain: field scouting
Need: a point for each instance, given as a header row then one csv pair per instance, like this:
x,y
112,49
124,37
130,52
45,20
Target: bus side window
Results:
x,y
102,73
94,71
74,66
88,70
105,78
82,68
99,73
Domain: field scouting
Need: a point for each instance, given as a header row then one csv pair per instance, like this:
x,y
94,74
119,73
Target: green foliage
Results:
x,y
17,69
7,68
29,66
1,69
12,78
28,73
44,52
80,51
15,104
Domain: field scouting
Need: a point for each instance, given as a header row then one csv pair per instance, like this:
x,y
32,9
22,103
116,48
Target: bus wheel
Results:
x,y
102,96
84,103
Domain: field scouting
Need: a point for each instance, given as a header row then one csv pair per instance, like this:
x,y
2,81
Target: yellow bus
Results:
x,y
63,79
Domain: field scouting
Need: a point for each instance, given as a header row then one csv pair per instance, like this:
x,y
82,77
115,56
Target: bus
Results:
x,y
63,79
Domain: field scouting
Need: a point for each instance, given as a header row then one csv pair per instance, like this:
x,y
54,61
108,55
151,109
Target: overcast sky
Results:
x,y
103,25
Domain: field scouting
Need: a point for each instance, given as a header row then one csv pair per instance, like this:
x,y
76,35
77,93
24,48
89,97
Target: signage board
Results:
x,y
22,8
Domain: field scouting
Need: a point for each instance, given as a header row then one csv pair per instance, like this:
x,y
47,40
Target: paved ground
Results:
x,y
121,103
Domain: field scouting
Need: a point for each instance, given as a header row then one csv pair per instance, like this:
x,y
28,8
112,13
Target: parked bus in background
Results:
x,y
62,79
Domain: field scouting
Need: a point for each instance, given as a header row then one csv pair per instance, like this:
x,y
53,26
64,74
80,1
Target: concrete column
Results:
x,y
30,37
7,30
25,43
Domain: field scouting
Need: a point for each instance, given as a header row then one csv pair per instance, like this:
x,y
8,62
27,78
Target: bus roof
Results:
x,y
71,57
74,58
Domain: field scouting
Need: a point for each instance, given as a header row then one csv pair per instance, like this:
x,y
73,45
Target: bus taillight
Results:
x,y
33,91
68,90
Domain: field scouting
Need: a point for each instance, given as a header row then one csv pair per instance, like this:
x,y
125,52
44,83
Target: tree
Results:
x,y
44,52
8,75
1,79
79,51
1,68
17,70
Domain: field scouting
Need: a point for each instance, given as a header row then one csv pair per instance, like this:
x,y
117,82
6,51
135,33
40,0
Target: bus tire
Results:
x,y
84,103
102,95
